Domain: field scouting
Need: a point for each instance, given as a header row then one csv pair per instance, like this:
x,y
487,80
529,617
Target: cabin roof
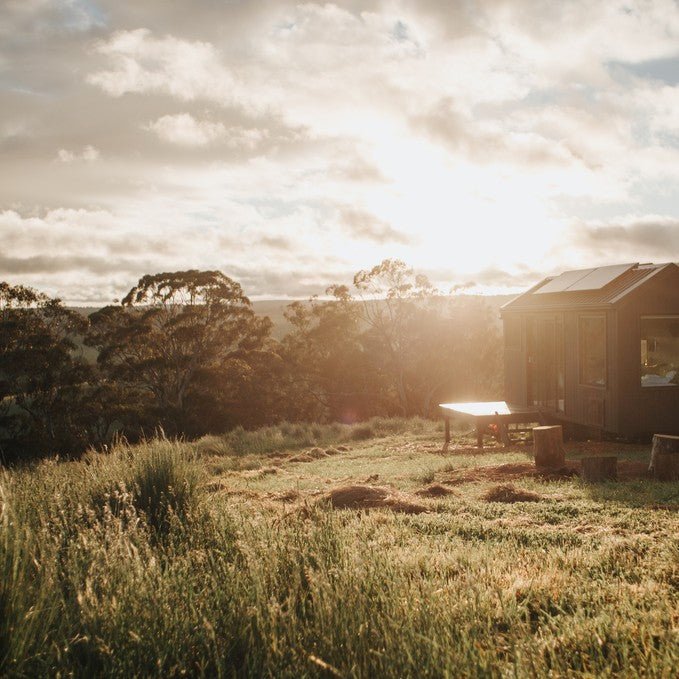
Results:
x,y
585,288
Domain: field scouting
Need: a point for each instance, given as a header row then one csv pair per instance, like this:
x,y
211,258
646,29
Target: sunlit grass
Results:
x,y
584,582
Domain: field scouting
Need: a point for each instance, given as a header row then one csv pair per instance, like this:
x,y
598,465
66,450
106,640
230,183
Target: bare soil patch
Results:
x,y
316,454
627,470
510,471
507,492
434,490
372,497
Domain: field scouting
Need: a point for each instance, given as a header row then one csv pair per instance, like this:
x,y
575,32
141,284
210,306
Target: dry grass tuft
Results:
x,y
371,497
506,492
286,496
434,490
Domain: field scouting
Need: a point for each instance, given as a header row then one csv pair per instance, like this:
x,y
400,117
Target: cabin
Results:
x,y
598,348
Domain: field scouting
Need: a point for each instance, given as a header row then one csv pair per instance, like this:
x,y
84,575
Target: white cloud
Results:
x,y
180,68
89,153
183,129
461,136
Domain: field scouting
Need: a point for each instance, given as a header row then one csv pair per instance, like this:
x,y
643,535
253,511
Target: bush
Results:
x,y
159,478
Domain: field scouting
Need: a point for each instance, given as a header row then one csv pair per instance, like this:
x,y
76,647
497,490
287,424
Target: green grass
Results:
x,y
175,559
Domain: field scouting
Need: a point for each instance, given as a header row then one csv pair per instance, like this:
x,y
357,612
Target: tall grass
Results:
x,y
27,617
88,589
288,436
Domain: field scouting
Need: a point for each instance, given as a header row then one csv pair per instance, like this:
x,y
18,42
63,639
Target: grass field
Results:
x,y
233,556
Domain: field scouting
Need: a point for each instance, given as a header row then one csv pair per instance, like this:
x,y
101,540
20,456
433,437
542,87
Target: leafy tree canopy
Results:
x,y
175,330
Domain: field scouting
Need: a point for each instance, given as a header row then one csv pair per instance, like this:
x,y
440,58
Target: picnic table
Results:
x,y
484,413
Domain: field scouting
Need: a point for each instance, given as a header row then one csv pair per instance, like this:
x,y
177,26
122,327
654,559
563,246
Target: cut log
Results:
x,y
548,446
596,469
665,458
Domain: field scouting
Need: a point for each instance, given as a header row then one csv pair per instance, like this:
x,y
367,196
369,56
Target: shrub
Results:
x,y
158,478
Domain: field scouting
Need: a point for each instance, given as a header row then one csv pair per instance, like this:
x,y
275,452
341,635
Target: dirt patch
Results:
x,y
506,492
434,490
627,470
371,497
301,457
313,454
511,471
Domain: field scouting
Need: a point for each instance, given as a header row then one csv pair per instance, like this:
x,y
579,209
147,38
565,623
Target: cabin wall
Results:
x,y
645,409
514,332
583,404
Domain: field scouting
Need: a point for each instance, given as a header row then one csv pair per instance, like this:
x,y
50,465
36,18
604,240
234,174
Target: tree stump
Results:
x,y
665,458
600,468
548,446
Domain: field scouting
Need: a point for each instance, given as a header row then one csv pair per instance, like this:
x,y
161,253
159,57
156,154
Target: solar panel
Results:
x,y
585,279
601,277
563,281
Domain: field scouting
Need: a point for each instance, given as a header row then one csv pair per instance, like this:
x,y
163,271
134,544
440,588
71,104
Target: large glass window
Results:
x,y
659,351
592,346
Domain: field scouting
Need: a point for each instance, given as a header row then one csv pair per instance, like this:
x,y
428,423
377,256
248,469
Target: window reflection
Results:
x,y
659,351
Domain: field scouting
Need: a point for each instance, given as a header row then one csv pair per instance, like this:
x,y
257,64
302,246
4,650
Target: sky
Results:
x,y
289,145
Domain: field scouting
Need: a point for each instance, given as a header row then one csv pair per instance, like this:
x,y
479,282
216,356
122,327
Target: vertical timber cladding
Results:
x,y
515,385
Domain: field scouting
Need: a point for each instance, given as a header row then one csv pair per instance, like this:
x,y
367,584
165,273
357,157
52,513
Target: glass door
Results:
x,y
545,363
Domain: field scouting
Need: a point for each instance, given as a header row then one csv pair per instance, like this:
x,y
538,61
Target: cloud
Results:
x,y
47,264
360,224
183,129
636,238
488,141
89,153
142,63
276,242
277,139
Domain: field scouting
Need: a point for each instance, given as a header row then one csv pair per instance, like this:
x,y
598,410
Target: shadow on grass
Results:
x,y
641,493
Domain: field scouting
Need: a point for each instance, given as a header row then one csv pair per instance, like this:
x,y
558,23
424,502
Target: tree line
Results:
x,y
185,352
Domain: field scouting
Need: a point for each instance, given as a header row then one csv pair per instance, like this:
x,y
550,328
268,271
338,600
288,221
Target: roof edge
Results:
x,y
654,272
539,284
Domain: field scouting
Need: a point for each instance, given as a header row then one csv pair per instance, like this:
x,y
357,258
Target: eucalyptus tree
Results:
x,y
42,372
389,344
328,374
178,334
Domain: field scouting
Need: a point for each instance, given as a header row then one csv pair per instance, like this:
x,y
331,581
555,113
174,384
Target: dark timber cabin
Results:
x,y
599,348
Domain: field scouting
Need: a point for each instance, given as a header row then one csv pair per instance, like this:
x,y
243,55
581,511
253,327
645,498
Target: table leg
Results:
x,y
502,430
447,442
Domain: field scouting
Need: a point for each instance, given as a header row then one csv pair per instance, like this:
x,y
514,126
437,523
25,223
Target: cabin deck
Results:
x,y
484,413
